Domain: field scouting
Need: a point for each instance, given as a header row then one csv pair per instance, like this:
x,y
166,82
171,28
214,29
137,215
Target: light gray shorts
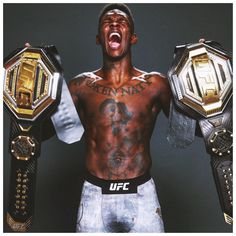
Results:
x,y
119,206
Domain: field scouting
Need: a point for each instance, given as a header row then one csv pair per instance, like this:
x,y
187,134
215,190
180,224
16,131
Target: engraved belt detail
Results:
x,y
201,83
32,86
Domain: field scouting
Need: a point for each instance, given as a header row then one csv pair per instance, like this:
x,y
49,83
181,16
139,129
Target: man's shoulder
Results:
x,y
156,77
81,78
158,81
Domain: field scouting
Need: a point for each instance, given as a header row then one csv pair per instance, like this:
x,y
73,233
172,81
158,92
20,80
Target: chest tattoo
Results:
x,y
117,113
123,91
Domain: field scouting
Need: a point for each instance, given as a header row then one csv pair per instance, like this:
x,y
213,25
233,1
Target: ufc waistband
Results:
x,y
118,186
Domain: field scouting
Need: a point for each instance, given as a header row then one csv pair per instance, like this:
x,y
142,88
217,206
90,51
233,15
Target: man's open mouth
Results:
x,y
114,40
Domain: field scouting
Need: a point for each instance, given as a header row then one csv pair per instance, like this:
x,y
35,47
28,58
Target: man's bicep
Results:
x,y
165,98
72,86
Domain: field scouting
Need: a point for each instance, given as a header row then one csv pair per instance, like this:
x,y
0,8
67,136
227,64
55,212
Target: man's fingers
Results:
x,y
202,40
27,45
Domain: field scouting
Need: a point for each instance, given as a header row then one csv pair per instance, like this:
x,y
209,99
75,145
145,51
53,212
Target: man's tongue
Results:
x,y
114,41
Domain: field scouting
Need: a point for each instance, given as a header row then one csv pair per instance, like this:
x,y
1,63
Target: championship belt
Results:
x,y
201,83
32,88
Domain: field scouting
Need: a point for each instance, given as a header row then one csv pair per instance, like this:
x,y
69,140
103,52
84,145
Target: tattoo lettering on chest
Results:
x,y
123,91
117,113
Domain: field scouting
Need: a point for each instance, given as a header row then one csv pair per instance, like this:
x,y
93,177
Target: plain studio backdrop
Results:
x,y
183,177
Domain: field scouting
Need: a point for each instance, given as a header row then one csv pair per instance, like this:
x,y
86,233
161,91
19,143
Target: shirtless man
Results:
x,y
118,105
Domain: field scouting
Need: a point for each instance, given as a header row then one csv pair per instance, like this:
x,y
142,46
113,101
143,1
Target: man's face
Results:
x,y
115,33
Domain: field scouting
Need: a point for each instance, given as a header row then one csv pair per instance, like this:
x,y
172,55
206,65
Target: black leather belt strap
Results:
x,y
217,134
201,82
25,149
223,175
32,87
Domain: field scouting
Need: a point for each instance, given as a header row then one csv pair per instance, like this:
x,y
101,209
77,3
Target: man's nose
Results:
x,y
114,23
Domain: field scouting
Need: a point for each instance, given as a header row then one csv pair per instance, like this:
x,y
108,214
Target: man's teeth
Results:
x,y
114,34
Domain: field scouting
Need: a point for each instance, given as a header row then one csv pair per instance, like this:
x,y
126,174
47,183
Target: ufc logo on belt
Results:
x,y
119,186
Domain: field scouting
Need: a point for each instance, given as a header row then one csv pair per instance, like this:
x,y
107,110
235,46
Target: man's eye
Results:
x,y
105,21
124,22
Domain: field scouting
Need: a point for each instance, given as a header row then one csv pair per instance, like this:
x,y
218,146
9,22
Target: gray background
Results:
x,y
183,176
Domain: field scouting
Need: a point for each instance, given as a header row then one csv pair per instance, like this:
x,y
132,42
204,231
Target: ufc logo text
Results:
x,y
118,186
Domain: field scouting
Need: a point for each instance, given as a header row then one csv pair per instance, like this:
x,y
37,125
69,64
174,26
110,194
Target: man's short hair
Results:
x,y
120,6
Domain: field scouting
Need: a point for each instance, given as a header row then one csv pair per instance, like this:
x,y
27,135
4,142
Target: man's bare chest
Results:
x,y
128,103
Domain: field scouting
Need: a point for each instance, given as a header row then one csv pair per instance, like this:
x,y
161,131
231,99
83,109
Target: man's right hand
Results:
x,y
202,40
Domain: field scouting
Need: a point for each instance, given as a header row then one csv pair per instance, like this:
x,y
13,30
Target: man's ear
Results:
x,y
134,38
97,40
